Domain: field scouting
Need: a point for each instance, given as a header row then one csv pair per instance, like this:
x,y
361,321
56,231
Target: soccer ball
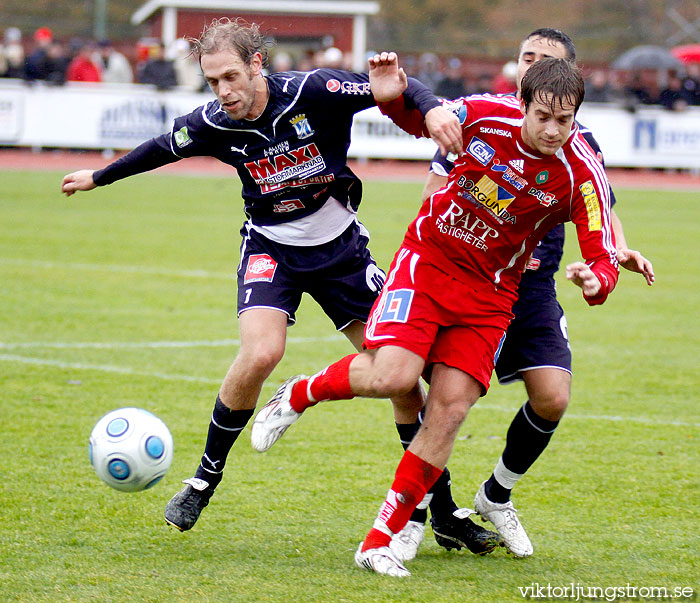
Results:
x,y
130,449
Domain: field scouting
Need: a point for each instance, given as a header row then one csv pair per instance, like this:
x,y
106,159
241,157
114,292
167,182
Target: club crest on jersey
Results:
x,y
508,174
302,126
482,152
491,196
261,267
542,177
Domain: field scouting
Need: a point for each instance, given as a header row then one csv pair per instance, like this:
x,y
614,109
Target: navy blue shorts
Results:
x,y
536,338
340,275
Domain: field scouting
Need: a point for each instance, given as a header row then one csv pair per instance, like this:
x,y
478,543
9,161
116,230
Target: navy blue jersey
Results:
x,y
291,158
545,260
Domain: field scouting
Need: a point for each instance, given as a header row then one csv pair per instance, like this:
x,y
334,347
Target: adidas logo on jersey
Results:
x,y
517,164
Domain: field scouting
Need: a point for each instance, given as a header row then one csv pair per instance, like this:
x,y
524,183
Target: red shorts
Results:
x,y
430,313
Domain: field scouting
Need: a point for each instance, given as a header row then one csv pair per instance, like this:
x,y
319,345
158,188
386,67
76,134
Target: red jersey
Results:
x,y
502,197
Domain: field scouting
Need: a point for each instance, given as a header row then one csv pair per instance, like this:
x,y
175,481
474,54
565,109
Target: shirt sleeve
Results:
x,y
590,212
409,119
147,156
590,139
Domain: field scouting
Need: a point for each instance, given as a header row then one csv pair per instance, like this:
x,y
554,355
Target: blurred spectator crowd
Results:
x,y
47,59
53,61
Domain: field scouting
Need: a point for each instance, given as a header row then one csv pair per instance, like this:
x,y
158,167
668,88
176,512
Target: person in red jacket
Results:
x,y
82,68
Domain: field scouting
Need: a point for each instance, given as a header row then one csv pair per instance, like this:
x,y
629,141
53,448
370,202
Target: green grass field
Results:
x,y
125,296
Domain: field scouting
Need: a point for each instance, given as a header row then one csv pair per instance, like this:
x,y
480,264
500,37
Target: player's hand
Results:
x,y
78,181
635,262
582,276
445,130
386,79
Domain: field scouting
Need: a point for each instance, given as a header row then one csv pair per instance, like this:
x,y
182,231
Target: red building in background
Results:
x,y
295,24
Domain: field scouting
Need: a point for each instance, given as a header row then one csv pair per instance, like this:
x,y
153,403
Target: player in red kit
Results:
x,y
447,299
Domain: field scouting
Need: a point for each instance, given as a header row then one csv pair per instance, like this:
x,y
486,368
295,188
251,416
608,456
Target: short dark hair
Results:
x,y
559,78
554,35
225,34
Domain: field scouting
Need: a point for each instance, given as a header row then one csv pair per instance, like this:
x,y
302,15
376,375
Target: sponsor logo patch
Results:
x,y
297,164
397,305
182,138
362,88
517,164
496,131
332,85
261,267
590,198
471,229
509,175
482,152
545,198
459,109
533,264
493,197
287,205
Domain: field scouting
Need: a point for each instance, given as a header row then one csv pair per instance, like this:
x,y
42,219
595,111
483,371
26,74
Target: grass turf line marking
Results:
x,y
122,269
105,368
116,345
108,368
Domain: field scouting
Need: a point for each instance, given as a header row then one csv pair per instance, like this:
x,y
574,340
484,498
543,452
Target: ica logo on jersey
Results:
x,y
482,152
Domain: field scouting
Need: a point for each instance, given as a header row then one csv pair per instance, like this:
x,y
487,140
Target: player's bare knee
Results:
x,y
392,385
262,359
551,405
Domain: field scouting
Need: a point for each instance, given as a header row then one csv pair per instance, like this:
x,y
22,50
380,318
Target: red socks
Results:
x,y
332,383
414,477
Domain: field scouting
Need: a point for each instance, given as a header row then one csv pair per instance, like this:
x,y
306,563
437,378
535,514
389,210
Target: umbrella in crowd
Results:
x,y
647,57
690,53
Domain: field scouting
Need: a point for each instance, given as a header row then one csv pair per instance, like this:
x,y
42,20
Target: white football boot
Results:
x,y
275,417
382,561
505,518
405,544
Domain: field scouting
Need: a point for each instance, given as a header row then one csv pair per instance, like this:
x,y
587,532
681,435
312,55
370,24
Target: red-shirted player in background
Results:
x,y
447,300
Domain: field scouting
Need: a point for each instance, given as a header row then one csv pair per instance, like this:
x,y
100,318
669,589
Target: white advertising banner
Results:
x,y
101,116
648,137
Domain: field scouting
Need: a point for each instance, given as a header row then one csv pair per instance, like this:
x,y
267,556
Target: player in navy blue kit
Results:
x,y
536,349
287,136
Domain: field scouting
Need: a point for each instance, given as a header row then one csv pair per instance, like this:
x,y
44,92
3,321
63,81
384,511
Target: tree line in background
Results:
x,y
602,29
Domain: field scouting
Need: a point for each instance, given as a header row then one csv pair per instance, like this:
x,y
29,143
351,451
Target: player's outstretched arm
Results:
x,y
387,80
78,181
444,128
629,258
635,262
582,276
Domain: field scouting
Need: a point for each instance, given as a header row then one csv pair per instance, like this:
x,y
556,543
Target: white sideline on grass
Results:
x,y
274,385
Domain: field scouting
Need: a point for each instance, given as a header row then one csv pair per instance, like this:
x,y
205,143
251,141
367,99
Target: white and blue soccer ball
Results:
x,y
131,449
